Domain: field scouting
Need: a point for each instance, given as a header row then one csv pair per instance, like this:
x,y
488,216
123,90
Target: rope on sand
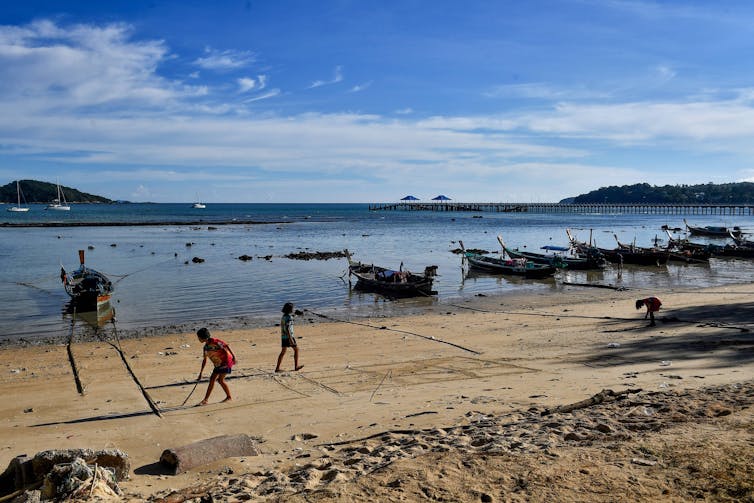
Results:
x,y
272,376
427,337
143,390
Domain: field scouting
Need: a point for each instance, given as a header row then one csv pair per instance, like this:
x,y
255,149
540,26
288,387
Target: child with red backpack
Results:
x,y
223,359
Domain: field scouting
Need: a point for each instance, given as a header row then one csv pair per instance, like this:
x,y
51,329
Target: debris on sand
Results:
x,y
67,474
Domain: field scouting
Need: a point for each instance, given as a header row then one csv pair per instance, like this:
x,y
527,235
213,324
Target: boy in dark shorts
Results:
x,y
223,359
287,340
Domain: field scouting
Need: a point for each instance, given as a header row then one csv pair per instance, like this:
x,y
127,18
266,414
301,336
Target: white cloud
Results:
x,y
337,77
246,84
214,59
269,94
82,66
360,87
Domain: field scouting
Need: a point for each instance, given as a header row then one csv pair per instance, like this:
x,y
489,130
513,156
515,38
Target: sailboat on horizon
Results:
x,y
18,207
59,203
198,205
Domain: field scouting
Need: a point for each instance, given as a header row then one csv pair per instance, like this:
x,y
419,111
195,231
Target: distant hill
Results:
x,y
724,193
44,192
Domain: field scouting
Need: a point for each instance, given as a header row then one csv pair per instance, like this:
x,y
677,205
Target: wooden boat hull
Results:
x,y
371,278
711,231
735,252
619,256
87,288
95,312
511,267
572,263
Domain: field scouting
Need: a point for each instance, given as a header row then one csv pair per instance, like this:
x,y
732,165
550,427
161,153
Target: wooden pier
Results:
x,y
602,208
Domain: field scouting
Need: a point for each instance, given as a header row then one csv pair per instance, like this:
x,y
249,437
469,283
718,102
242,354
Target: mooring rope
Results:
x,y
143,390
427,337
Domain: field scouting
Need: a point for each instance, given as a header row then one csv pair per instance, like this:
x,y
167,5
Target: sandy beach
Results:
x,y
455,404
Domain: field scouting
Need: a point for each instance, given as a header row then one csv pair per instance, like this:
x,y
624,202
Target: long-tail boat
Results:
x,y
712,231
390,282
86,287
511,266
624,255
591,259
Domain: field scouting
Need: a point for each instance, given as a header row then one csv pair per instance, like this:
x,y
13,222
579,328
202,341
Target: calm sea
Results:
x,y
159,288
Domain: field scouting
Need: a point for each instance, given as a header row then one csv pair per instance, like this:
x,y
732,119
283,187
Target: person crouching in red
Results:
x,y
653,305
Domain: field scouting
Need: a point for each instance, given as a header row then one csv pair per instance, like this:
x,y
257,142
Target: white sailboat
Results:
x,y
59,203
18,207
198,205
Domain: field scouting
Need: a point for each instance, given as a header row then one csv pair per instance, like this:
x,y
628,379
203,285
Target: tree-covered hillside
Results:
x,y
44,192
725,193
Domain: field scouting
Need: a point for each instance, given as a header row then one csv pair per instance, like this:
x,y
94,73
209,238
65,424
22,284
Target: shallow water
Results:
x,y
157,287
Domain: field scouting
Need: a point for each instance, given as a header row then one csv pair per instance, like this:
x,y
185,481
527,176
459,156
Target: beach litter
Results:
x,y
66,474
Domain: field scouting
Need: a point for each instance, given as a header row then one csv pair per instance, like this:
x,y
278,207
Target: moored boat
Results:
x,y
591,259
86,287
18,208
390,282
59,203
712,231
511,266
683,250
624,254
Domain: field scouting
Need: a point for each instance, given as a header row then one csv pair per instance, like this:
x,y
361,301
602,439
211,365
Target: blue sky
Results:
x,y
354,101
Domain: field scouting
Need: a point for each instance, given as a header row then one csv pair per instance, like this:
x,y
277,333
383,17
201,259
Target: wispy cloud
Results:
x,y
665,73
543,91
337,77
269,94
214,59
246,84
360,87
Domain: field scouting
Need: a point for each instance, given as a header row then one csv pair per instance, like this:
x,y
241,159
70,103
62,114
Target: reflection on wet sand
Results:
x,y
104,313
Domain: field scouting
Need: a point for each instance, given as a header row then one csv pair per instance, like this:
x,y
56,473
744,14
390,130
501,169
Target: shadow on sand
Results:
x,y
722,332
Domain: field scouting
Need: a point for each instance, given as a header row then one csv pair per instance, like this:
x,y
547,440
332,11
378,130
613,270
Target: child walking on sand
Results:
x,y
287,339
222,357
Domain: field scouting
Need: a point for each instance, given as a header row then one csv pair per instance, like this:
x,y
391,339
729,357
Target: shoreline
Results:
x,y
372,375
397,310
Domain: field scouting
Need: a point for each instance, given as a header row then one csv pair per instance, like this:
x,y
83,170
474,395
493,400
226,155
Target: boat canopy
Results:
x,y
555,248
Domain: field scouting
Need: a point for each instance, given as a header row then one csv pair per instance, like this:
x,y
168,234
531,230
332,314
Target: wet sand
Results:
x,y
421,406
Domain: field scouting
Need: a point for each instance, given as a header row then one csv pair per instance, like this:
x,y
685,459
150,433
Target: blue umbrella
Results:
x,y
441,198
409,198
